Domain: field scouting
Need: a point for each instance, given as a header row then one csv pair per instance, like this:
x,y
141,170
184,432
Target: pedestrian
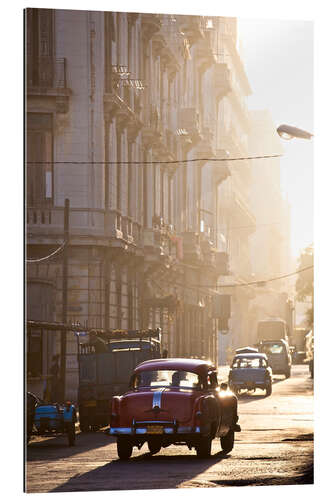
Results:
x,y
69,420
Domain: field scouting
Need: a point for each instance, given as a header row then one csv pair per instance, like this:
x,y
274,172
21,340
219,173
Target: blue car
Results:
x,y
249,371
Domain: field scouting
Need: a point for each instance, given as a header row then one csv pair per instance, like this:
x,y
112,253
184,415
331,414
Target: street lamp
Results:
x,y
288,132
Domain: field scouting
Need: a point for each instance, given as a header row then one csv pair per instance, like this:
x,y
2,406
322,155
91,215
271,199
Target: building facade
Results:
x,y
126,117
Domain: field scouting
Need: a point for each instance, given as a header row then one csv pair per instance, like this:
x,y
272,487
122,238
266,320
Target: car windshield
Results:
x,y
273,348
249,363
167,378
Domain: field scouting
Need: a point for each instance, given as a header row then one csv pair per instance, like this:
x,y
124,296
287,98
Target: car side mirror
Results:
x,y
224,386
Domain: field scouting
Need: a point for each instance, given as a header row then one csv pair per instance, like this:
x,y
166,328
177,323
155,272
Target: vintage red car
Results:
x,y
174,401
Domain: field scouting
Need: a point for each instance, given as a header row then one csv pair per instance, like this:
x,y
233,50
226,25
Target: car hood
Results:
x,y
158,404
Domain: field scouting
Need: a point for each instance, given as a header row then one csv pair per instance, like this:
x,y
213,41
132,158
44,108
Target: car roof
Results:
x,y
251,355
279,341
199,366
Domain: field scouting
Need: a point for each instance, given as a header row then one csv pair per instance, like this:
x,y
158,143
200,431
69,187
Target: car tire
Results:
x,y
227,441
124,448
269,388
287,373
311,368
154,447
204,447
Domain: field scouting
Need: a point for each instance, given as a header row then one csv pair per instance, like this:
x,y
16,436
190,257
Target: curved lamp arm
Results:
x,y
288,132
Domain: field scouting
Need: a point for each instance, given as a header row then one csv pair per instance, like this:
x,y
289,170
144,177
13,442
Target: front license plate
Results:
x,y
154,429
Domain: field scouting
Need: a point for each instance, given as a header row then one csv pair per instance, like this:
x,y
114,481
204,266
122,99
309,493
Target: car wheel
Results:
x,y
204,447
124,448
311,368
154,447
287,373
269,388
227,441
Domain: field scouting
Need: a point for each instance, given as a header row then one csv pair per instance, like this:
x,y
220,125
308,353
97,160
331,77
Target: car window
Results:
x,y
274,349
247,363
212,380
166,378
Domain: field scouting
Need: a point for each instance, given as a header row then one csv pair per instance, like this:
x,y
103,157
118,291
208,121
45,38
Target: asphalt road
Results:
x,y
275,447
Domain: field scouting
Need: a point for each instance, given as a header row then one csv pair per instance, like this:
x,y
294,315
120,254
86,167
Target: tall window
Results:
x,y
39,47
39,175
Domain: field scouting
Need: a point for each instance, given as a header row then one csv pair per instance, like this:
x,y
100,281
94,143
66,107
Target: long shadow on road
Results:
x,y
55,448
142,472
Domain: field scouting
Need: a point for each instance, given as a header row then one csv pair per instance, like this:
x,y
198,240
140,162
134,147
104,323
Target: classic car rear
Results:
x,y
174,401
249,371
278,355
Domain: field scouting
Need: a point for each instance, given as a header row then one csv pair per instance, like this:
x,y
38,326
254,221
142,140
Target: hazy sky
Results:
x,y
278,58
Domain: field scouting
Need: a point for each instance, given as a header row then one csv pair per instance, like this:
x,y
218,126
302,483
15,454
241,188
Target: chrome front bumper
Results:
x,y
141,428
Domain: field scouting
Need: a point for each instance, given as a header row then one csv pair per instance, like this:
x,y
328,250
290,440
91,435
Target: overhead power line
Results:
x,y
47,257
234,285
260,282
151,162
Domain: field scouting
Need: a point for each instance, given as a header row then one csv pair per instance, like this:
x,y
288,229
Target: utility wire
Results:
x,y
254,225
47,257
152,162
233,285
260,282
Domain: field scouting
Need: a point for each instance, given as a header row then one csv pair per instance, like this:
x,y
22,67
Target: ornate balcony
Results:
x,y
222,263
189,123
115,106
151,24
152,130
191,247
193,28
47,78
205,148
205,52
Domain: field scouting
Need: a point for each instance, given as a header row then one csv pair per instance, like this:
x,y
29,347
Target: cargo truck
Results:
x,y
106,361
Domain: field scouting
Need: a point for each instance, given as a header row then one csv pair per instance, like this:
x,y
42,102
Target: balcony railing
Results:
x,y
47,72
46,224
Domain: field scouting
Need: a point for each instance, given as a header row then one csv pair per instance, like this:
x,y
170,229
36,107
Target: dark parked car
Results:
x,y
278,355
174,401
250,370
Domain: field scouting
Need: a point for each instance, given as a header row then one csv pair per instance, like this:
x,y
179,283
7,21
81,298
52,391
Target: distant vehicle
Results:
x,y
272,329
174,401
249,371
51,419
106,361
245,350
298,341
309,349
278,355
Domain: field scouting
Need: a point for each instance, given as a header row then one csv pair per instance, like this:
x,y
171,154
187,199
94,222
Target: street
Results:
x,y
275,447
